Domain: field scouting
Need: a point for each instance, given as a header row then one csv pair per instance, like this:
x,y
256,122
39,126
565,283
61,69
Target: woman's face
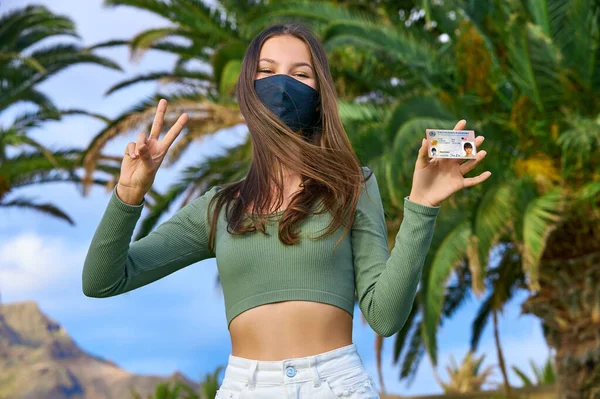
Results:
x,y
469,151
286,55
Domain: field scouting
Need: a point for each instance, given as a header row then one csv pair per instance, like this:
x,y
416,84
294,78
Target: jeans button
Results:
x,y
290,371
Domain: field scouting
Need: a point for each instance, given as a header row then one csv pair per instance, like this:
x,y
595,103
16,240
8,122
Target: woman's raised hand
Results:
x,y
437,179
143,158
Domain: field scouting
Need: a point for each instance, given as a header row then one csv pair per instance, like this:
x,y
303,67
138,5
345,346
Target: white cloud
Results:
x,y
32,266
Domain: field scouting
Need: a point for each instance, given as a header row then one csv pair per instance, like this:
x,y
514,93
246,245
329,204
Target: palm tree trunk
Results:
x,y
507,387
568,303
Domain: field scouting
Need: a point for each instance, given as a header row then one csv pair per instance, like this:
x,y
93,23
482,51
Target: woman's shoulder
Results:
x,y
369,190
369,180
204,199
367,172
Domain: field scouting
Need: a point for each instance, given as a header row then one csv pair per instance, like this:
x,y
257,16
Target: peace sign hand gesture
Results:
x,y
437,179
143,158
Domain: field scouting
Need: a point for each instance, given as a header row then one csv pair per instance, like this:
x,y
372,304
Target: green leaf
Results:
x,y
492,218
535,65
225,53
361,112
407,49
524,379
172,76
541,217
229,78
450,254
46,208
418,107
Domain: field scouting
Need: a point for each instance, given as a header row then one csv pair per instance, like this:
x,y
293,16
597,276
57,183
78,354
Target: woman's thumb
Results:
x,y
423,157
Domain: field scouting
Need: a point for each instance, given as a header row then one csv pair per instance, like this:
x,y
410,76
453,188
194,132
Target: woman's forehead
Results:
x,y
285,49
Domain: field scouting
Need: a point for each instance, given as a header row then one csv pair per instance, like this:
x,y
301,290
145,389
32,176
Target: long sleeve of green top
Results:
x,y
256,269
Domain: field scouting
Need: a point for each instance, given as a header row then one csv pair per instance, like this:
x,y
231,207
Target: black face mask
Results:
x,y
294,102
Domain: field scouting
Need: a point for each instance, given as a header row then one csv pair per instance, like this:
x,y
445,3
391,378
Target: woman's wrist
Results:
x,y
128,196
418,199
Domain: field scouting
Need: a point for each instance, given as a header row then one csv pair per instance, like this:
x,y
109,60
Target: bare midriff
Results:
x,y
289,329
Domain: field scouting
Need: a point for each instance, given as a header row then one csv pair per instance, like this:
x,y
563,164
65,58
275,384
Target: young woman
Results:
x,y
295,240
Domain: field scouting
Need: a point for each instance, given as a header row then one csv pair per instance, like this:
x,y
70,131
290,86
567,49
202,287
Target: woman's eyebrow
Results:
x,y
294,64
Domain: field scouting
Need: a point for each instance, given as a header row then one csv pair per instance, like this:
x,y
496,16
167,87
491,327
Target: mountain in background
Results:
x,y
39,360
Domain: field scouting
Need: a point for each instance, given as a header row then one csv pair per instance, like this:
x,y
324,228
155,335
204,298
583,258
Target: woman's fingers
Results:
x,y
473,181
141,149
130,150
469,165
460,125
478,141
175,130
159,118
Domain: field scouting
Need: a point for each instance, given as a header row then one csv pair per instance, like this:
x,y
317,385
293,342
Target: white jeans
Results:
x,y
339,373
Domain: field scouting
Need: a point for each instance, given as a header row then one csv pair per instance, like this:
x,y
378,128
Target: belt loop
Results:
x,y
251,374
315,372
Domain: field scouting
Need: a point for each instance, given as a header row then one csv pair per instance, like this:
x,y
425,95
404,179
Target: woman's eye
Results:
x,y
264,70
302,75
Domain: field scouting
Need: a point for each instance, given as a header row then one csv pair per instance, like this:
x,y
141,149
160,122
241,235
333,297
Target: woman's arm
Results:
x,y
114,266
386,282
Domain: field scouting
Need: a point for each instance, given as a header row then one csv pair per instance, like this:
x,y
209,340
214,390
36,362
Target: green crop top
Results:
x,y
255,269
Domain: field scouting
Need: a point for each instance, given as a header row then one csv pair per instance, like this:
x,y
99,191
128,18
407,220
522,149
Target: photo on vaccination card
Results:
x,y
451,143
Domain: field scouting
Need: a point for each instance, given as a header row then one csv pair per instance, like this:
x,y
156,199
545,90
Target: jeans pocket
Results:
x,y
354,384
231,389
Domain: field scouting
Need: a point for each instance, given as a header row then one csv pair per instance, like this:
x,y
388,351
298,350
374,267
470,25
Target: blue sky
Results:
x,y
177,323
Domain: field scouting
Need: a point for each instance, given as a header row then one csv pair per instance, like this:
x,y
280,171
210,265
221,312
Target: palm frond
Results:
x,y
522,376
414,353
541,217
164,76
580,144
361,112
46,208
535,66
481,320
400,46
317,15
224,53
108,43
24,27
145,40
450,253
492,218
418,107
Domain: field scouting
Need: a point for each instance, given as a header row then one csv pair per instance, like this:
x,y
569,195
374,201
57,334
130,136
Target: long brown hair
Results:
x,y
329,168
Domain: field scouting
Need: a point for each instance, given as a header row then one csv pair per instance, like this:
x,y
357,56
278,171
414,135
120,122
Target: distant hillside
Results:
x,y
39,360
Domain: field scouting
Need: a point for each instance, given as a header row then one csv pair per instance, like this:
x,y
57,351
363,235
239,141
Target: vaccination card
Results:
x,y
451,143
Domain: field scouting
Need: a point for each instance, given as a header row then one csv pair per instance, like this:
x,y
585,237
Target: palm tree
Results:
x,y
468,377
23,160
168,390
516,73
520,73
180,390
544,375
